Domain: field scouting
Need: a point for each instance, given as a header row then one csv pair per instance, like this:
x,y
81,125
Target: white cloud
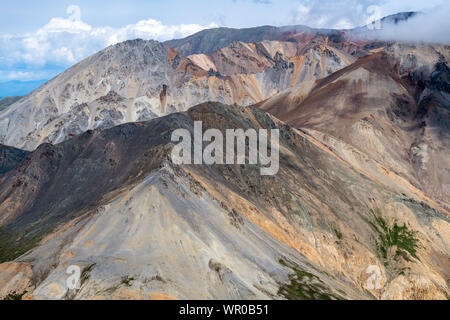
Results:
x,y
65,41
329,14
432,26
346,14
153,29
23,75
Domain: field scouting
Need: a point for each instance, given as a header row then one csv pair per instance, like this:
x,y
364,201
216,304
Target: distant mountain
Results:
x,y
209,40
19,88
5,102
399,17
138,80
390,20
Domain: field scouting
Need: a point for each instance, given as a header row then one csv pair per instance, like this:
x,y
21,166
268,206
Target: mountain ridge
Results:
x,y
298,217
201,42
153,80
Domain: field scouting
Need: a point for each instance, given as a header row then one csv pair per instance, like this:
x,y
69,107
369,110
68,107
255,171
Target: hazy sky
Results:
x,y
38,39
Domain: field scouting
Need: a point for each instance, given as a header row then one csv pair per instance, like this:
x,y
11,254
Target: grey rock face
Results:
x,y
139,80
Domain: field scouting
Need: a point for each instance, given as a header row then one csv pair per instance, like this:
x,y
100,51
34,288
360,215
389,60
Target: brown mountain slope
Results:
x,y
393,106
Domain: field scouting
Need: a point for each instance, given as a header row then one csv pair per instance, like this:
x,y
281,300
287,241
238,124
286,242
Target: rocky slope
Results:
x,y
139,80
157,230
392,106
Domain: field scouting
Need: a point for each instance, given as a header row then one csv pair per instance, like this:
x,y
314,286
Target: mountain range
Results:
x,y
86,176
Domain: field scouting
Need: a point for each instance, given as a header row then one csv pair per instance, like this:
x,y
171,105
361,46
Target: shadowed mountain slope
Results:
x,y
10,157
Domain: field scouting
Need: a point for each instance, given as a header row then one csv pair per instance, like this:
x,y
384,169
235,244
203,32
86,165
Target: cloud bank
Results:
x,y
65,41
348,14
431,27
330,14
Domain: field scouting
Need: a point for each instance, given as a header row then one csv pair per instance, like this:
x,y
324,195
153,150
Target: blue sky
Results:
x,y
39,39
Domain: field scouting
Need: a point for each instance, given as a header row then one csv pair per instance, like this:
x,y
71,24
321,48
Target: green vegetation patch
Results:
x,y
305,286
338,233
13,246
400,237
86,273
15,296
